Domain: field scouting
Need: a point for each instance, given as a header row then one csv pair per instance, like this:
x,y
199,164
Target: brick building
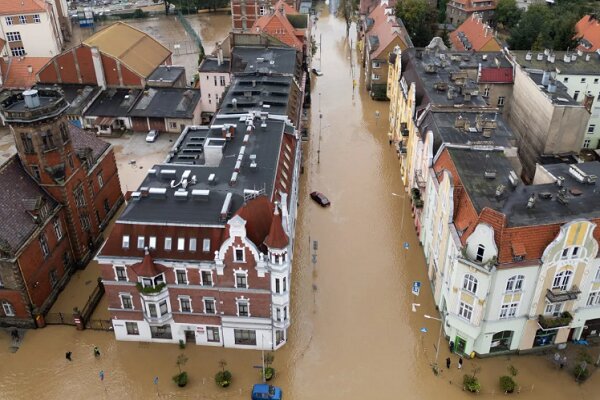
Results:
x,y
286,24
458,11
58,195
244,13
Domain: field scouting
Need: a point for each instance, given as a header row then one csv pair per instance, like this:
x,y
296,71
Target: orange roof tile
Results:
x,y
15,7
20,72
258,214
277,238
148,268
588,28
278,26
518,248
479,35
385,29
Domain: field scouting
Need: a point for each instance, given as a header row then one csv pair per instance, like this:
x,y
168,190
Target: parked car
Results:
x,y
262,391
152,136
317,72
321,199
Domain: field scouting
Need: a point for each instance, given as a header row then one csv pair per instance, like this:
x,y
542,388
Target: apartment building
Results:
x,y
474,35
588,33
458,11
245,13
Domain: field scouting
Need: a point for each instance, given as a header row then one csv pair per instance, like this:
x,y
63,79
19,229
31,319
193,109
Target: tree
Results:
x,y
347,10
507,13
529,28
420,20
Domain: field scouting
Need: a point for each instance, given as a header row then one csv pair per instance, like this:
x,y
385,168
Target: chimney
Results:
x,y
528,56
567,58
560,181
98,68
219,55
588,100
551,58
574,57
587,57
531,201
546,78
30,69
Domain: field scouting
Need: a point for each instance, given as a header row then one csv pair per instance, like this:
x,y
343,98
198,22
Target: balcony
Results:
x,y
559,296
547,322
147,291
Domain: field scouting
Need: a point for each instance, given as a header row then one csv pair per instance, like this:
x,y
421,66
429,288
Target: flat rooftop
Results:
x,y
166,73
559,96
277,60
586,64
113,103
212,65
258,93
236,156
577,200
166,103
78,96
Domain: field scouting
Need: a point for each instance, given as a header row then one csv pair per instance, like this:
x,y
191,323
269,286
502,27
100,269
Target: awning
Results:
x,y
104,121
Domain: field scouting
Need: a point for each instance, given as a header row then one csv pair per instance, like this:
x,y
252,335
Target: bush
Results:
x,y
223,378
181,344
507,384
269,373
471,384
581,372
181,379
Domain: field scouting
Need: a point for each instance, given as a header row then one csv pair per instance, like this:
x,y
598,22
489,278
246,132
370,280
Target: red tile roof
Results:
x,y
258,214
479,35
16,7
588,28
385,29
472,5
15,71
278,26
148,268
277,238
496,75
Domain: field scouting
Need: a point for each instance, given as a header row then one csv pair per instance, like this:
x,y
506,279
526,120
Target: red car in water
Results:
x,y
320,198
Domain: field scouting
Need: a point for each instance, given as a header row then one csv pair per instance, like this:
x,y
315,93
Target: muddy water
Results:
x,y
353,334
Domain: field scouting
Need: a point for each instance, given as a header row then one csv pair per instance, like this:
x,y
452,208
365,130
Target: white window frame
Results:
x,y
509,310
100,180
235,257
8,308
501,100
515,283
202,283
562,280
187,281
37,19
591,128
125,242
235,276
132,323
375,77
587,143
206,245
208,299
14,37
478,257
117,275
465,311
8,21
18,51
212,330
22,19
180,244
593,298
192,244
470,283
553,309
189,299
238,302
57,228
152,242
44,245
141,242
130,297
168,243
597,276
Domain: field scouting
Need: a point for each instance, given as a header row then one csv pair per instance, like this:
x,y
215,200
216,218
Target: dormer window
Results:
x,y
480,253
153,281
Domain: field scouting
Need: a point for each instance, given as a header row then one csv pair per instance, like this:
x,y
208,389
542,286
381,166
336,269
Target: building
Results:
x,y
58,195
381,35
171,76
546,119
203,250
513,267
79,97
245,13
214,77
580,74
475,35
110,111
116,56
287,25
458,11
588,33
20,72
32,28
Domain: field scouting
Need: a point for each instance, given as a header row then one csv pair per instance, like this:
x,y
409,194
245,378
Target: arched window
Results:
x,y
562,279
515,283
9,310
470,283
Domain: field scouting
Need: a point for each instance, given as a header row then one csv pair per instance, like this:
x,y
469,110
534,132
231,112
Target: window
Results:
x,y
120,273
561,280
465,310
262,10
486,91
180,244
36,18
515,283
141,243
84,220
575,252
22,19
243,308
591,128
209,306
375,77
70,159
222,80
240,280
132,328
125,241
509,310
215,79
480,253
9,310
586,143
173,125
470,283
576,95
9,20
278,314
164,309
206,278
100,180
285,314
376,64
284,284
152,310
17,51
181,276
13,36
53,278
126,302
161,332
243,336
185,305
48,141
239,255
192,244
500,101
79,197
276,285
44,245
597,277
27,142
553,309
212,334
565,80
57,229
594,299
152,242
168,242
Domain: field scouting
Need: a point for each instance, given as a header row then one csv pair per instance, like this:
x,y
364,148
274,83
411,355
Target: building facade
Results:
x,y
458,11
244,13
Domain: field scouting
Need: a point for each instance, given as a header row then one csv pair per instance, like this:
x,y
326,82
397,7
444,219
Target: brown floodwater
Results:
x,y
353,335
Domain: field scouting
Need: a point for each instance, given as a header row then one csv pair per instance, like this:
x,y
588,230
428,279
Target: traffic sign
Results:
x,y
416,288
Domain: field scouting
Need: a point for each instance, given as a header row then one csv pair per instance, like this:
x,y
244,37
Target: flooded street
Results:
x,y
353,333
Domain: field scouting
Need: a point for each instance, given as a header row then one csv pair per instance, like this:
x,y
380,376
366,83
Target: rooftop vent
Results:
x,y
253,163
246,138
168,173
561,197
200,194
233,179
513,179
136,195
581,176
540,56
500,190
531,201
489,174
181,194
157,192
560,181
226,207
545,195
212,179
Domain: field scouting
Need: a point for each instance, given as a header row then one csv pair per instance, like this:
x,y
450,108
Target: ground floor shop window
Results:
x,y
161,332
279,337
243,336
501,341
544,338
212,334
132,328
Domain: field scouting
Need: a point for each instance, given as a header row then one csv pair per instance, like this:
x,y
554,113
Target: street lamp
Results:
x,y
376,117
437,349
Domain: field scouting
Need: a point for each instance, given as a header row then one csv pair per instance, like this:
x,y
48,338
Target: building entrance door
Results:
x,y
460,345
190,336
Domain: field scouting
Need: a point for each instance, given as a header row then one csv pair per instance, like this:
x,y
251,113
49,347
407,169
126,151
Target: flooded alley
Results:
x,y
353,333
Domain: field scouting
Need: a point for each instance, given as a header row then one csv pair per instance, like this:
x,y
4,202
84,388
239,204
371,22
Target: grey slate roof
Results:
x,y
471,165
276,60
258,92
18,193
83,140
113,103
211,65
587,64
166,103
78,96
166,73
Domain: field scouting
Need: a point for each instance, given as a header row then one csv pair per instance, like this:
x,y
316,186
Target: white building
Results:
x,y
214,76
